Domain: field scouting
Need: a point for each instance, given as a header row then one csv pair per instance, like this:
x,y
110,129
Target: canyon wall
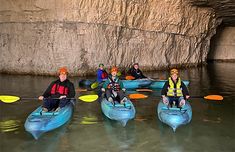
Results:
x,y
38,36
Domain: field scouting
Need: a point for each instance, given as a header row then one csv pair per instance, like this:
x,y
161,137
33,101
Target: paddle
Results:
x,y
94,85
11,99
210,97
129,77
137,96
144,90
88,98
81,90
119,74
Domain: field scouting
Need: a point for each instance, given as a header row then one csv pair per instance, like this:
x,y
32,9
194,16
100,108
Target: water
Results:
x,y
211,128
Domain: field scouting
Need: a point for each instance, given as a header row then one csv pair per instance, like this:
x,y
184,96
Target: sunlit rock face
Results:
x,y
39,36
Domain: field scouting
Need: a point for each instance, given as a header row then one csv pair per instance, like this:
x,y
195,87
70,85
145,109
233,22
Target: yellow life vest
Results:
x,y
174,92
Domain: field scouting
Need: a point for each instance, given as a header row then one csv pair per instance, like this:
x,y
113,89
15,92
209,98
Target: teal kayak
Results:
x,y
38,123
160,83
138,83
174,117
118,112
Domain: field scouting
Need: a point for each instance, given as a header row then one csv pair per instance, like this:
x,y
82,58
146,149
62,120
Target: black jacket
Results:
x,y
66,83
136,73
183,86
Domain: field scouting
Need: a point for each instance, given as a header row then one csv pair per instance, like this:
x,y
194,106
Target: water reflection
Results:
x,y
211,128
9,125
121,137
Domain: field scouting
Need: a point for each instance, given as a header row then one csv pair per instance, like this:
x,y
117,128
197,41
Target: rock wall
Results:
x,y
223,45
38,36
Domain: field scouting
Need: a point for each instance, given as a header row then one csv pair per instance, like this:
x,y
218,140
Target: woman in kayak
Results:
x,y
55,96
136,72
102,75
174,90
113,88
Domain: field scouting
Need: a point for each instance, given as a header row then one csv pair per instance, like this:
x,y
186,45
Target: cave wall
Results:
x,y
38,36
223,45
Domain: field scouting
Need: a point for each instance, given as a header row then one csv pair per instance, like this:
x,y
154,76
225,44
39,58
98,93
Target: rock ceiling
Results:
x,y
225,9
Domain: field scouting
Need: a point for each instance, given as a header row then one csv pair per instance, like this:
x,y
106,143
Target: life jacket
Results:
x,y
59,89
104,74
114,85
172,91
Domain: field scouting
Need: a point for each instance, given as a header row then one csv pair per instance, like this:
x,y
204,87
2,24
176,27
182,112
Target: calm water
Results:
x,y
211,128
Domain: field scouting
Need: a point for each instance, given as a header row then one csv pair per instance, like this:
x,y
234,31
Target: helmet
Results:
x,y
114,69
63,70
174,71
101,64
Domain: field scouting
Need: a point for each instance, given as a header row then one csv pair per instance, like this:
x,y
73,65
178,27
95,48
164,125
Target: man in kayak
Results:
x,y
174,90
136,72
113,87
102,75
55,96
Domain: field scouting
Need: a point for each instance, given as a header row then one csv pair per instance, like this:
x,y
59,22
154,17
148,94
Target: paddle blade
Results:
x,y
9,99
119,74
94,85
144,90
129,77
214,97
137,96
88,98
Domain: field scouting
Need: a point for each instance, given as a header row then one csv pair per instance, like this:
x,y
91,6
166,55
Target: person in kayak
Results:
x,y
60,89
174,90
102,75
113,88
136,72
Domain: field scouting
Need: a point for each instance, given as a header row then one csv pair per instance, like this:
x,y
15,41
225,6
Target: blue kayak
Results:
x,y
138,83
38,123
118,112
160,83
174,117
85,83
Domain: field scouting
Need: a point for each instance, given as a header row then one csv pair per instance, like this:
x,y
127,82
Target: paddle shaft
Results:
x,y
43,98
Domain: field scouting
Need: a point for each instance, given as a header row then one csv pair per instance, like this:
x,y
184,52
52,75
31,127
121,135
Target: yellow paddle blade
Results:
x,y
214,97
129,77
144,90
94,85
119,74
9,99
88,98
137,96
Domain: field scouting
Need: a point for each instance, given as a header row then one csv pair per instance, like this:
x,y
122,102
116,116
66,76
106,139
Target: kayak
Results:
x,y
138,83
89,84
38,123
118,112
174,117
85,83
160,83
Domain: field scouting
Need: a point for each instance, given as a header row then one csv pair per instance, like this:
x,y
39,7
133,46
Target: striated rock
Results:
x,y
224,9
223,45
38,36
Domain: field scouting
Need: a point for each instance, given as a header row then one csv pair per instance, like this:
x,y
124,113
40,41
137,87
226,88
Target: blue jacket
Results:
x,y
100,75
